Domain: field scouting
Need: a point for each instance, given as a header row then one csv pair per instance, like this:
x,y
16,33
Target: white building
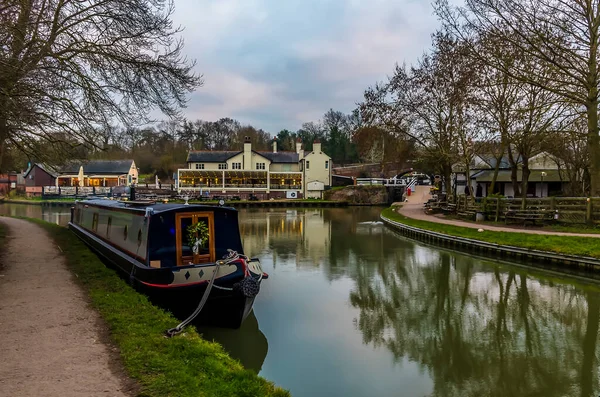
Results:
x,y
272,174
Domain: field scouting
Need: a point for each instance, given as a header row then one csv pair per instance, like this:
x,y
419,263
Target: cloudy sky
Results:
x,y
278,63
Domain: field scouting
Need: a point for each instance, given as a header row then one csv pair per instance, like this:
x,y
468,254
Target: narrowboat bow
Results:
x,y
170,252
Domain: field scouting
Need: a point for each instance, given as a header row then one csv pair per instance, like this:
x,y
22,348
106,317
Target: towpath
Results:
x,y
52,343
414,209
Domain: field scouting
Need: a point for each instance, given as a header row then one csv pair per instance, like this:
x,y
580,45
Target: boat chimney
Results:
x,y
132,193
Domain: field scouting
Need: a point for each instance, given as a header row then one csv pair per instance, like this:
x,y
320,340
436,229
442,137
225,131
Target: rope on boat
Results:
x,y
231,256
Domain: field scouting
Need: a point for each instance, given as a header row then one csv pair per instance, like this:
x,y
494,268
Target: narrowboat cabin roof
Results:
x,y
156,207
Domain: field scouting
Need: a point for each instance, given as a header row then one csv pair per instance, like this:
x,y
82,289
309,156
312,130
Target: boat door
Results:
x,y
185,254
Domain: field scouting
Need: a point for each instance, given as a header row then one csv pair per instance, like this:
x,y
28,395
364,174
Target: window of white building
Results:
x,y
223,166
199,166
260,166
236,166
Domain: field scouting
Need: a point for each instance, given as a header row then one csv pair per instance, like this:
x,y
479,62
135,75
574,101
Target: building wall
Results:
x,y
542,161
241,158
39,177
133,173
285,167
316,170
207,166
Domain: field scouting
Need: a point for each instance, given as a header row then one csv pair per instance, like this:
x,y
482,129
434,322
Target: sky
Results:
x,y
275,64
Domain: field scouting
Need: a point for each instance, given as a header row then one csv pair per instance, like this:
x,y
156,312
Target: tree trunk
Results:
x,y
514,178
593,144
495,176
525,177
447,172
3,139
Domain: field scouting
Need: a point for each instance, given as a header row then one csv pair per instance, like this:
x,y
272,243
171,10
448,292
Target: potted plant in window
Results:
x,y
197,236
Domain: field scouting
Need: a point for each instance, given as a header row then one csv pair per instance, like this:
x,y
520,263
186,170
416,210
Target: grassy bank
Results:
x,y
583,246
186,365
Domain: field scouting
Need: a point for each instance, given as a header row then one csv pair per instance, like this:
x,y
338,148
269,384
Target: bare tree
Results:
x,y
426,103
562,36
70,66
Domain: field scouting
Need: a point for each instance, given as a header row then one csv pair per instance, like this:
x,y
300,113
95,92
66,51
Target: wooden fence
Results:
x,y
571,210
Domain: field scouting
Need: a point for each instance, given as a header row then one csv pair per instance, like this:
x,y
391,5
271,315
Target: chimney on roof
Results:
x,y
247,153
275,145
317,146
299,148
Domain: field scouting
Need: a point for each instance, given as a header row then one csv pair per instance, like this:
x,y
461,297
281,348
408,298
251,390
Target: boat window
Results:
x,y
189,227
108,225
95,222
125,233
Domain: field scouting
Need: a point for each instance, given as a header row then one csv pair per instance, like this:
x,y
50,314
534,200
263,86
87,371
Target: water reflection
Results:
x,y
248,344
479,328
53,214
476,326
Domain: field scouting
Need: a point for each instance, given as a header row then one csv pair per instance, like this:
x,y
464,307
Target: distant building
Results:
x,y
273,174
8,182
39,174
545,179
98,173
36,177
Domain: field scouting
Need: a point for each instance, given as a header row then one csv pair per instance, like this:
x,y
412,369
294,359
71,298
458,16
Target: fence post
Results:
x,y
497,209
589,219
523,201
552,204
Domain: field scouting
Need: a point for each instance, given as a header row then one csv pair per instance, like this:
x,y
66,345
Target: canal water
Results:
x,y
353,309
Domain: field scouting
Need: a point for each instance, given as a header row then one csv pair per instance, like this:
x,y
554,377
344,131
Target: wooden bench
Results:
x,y
528,215
449,209
469,214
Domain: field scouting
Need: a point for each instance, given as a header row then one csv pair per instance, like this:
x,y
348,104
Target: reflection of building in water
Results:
x,y
301,233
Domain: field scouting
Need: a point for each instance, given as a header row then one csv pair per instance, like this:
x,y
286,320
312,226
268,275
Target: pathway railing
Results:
x,y
572,210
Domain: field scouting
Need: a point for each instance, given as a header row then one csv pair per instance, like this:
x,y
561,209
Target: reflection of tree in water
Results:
x,y
481,331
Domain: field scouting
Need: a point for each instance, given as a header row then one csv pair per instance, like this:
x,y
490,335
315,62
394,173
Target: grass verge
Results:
x,y
583,246
186,365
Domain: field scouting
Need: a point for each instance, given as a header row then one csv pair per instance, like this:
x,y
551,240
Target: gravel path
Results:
x,y
414,209
53,343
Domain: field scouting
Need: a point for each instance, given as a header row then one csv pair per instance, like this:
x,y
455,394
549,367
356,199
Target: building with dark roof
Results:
x,y
98,173
272,174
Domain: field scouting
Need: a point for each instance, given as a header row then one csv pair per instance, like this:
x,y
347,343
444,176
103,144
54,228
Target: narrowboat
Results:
x,y
171,251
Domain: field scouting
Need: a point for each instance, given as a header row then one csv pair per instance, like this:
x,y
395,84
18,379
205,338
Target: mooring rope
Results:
x,y
231,256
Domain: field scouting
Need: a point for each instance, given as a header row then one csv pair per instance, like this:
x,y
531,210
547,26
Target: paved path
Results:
x,y
414,209
52,343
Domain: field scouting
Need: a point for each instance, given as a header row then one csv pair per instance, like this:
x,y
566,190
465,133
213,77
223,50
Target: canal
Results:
x,y
353,309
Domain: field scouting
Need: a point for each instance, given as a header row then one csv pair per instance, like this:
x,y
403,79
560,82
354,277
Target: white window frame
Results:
x,y
222,166
261,166
199,166
307,165
236,166
326,164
